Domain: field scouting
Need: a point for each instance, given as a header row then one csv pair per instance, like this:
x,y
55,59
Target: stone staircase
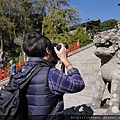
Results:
x,y
88,65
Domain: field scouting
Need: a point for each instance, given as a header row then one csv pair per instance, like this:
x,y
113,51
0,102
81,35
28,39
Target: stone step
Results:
x,y
90,87
80,98
85,92
76,100
89,82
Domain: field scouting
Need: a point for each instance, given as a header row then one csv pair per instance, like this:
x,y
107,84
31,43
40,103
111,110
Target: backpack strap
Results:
x,y
12,87
37,69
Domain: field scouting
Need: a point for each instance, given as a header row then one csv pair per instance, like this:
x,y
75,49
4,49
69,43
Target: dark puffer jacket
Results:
x,y
41,101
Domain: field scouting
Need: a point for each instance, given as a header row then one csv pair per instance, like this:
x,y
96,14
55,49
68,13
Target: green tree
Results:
x,y
49,17
104,26
6,26
108,24
80,34
57,21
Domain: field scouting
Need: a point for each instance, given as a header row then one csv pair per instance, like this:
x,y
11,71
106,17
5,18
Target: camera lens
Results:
x,y
58,47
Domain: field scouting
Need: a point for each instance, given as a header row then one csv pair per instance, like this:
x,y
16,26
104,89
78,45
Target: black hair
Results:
x,y
34,44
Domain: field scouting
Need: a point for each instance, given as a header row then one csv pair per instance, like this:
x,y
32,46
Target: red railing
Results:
x,y
74,46
5,72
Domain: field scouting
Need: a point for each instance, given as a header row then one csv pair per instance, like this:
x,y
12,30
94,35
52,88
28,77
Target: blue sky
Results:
x,y
102,9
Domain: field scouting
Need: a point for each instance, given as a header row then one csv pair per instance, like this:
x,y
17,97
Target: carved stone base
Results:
x,y
104,109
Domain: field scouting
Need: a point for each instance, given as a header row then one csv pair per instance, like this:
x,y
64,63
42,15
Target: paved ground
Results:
x,y
88,65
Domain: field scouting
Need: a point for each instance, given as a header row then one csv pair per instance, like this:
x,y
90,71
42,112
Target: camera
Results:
x,y
58,46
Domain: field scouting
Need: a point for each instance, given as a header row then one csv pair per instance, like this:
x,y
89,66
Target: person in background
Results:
x,y
12,68
46,89
26,58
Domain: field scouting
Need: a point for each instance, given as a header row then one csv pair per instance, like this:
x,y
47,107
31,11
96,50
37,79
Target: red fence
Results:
x,y
74,46
5,72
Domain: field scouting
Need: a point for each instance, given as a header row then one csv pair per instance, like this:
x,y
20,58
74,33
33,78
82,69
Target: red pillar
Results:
x,y
0,74
17,66
5,73
8,71
69,48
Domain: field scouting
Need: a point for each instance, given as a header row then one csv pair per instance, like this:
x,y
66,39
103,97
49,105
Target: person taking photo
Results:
x,y
45,92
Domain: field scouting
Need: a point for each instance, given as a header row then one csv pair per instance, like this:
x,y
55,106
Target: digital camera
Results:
x,y
58,46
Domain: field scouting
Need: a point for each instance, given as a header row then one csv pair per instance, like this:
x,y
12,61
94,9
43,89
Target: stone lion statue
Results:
x,y
108,50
